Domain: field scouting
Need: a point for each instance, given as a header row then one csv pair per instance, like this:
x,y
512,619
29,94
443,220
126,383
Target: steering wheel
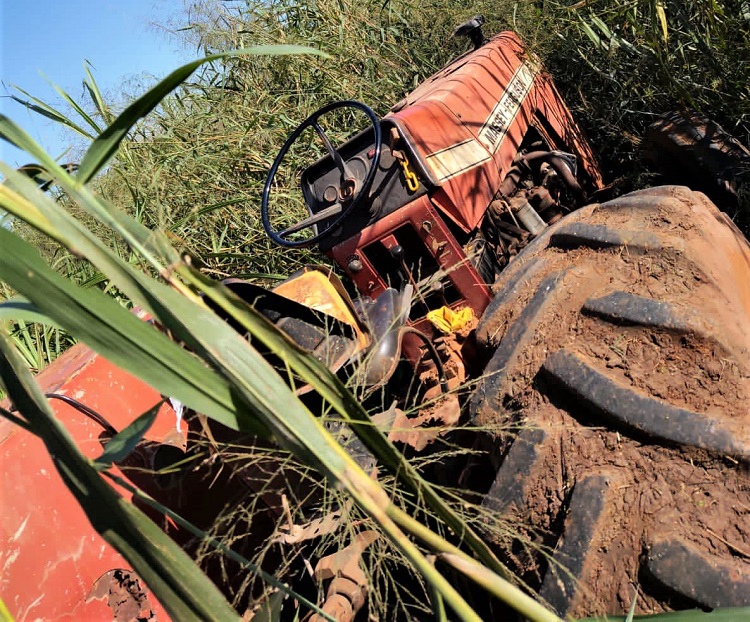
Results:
x,y
350,192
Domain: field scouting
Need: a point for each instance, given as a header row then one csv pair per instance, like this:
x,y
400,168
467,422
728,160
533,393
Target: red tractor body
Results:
x,y
55,566
460,134
448,149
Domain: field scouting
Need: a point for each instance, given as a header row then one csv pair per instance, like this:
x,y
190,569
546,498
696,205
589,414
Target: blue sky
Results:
x,y
124,40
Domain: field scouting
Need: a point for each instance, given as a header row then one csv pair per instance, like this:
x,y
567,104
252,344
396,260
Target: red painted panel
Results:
x,y
437,239
448,117
50,556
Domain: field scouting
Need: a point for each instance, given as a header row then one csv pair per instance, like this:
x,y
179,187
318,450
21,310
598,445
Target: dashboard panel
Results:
x,y
321,182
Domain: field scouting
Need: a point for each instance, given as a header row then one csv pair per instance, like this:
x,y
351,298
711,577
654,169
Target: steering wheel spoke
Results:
x,y
313,220
346,174
352,190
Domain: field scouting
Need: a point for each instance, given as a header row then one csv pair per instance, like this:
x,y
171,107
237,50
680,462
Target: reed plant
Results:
x,y
165,203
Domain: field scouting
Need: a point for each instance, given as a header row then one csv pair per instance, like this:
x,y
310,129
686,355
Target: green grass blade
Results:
x,y
483,576
96,96
107,143
4,613
19,308
94,280
631,611
76,106
206,209
661,14
49,112
122,443
119,335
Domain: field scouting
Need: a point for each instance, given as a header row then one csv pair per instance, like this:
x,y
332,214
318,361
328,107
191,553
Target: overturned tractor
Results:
x,y
590,358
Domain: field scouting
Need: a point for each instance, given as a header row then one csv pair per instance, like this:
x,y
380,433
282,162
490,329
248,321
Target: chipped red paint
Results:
x,y
50,556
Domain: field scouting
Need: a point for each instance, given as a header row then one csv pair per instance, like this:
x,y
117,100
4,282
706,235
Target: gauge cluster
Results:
x,y
322,185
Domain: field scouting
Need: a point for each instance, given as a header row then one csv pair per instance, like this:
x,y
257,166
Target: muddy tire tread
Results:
x,y
561,399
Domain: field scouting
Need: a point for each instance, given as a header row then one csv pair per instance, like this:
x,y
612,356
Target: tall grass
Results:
x,y
621,63
196,166
213,370
186,179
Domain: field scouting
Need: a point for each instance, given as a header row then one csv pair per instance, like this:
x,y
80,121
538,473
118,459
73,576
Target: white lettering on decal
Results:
x,y
496,126
457,159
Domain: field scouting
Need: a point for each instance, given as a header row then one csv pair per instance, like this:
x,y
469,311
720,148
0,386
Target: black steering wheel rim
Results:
x,y
351,205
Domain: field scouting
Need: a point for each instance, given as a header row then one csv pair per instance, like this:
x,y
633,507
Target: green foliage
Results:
x,y
125,441
620,63
38,341
188,178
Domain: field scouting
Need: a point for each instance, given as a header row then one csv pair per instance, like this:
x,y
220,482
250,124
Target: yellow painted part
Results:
x,y
447,320
313,289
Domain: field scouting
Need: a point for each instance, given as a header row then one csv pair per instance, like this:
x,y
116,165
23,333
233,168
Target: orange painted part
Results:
x,y
50,556
314,289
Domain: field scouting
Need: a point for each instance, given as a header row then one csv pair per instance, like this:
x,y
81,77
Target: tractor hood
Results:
x,y
466,122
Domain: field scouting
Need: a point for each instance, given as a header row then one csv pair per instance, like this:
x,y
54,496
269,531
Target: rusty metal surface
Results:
x,y
347,590
50,556
428,424
125,595
314,288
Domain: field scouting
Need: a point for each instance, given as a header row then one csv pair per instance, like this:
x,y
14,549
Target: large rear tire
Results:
x,y
618,400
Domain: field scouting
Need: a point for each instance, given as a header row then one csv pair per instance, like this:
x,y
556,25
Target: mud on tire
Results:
x,y
619,394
